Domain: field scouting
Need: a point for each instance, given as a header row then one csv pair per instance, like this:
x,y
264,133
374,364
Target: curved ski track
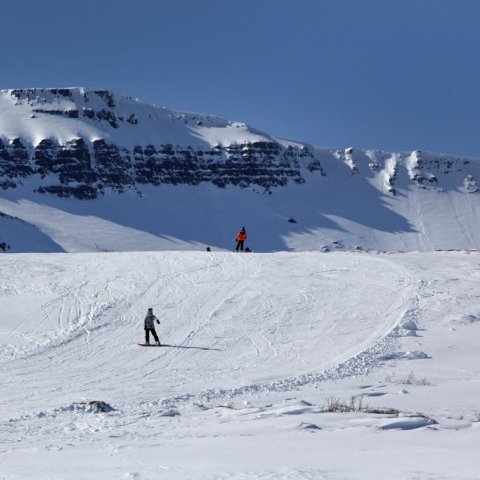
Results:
x,y
234,324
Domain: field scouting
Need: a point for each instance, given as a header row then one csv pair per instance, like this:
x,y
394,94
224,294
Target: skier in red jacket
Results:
x,y
241,237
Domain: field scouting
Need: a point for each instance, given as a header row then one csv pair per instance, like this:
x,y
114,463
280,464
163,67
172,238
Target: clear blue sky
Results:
x,y
389,74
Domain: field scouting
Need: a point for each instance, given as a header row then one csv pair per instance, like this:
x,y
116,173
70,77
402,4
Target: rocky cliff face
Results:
x,y
85,170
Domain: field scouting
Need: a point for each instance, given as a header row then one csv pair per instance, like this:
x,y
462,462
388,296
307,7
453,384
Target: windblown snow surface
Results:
x,y
258,349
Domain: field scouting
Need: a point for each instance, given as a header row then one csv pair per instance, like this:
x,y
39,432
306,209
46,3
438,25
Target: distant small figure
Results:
x,y
149,326
4,246
208,249
241,237
247,250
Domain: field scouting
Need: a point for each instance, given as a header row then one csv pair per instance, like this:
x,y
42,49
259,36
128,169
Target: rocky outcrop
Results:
x,y
85,170
14,161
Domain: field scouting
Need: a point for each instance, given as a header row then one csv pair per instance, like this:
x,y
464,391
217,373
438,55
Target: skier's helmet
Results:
x,y
150,310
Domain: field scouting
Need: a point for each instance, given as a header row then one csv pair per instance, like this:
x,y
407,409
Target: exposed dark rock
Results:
x,y
45,156
132,119
107,116
14,161
113,165
107,97
7,184
23,94
64,92
263,163
92,406
88,112
58,113
82,192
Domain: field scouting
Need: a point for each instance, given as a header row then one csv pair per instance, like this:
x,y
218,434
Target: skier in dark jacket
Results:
x,y
149,326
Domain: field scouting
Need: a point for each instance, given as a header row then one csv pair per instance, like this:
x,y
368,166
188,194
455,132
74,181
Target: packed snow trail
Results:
x,y
230,320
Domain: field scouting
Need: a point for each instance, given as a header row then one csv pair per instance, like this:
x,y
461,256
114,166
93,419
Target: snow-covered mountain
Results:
x,y
81,142
87,170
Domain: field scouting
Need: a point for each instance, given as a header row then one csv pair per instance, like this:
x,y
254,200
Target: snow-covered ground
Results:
x,y
258,346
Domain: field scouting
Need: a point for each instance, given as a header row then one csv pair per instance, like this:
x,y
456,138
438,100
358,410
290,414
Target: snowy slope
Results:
x,y
235,307
36,114
24,236
338,212
257,347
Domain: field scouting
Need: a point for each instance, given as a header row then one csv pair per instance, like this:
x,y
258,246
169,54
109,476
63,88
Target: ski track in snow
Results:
x,y
242,331
97,318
